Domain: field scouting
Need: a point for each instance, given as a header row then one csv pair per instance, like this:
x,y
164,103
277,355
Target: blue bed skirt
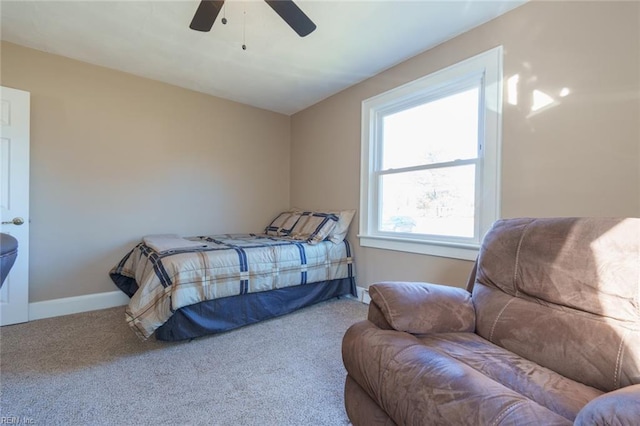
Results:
x,y
220,315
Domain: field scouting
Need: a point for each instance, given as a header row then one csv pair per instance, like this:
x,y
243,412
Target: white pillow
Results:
x,y
339,233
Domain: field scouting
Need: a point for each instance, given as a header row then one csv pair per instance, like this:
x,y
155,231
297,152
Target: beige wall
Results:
x,y
578,158
115,157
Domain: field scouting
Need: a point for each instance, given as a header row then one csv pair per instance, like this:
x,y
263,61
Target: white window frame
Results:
x,y
488,67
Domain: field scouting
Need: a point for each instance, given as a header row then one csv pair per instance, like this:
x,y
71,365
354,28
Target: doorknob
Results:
x,y
15,221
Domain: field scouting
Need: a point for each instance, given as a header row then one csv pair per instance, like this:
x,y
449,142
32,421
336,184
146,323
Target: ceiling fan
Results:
x,y
208,11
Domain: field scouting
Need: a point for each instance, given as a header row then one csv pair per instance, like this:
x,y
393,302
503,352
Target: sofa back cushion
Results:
x,y
565,293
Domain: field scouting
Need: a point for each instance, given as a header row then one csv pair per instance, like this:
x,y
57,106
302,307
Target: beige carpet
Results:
x,y
90,369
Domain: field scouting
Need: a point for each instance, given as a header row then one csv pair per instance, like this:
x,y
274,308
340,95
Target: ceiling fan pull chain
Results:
x,y
244,30
224,14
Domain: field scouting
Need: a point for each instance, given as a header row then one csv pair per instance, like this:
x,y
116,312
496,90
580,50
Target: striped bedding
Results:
x,y
229,265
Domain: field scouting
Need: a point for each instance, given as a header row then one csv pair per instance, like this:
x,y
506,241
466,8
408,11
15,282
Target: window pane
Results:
x,y
435,202
442,130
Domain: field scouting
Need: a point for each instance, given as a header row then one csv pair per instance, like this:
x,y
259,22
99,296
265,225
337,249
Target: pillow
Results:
x,y
314,227
283,224
339,233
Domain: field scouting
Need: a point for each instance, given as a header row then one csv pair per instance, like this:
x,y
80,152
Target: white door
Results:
x,y
14,200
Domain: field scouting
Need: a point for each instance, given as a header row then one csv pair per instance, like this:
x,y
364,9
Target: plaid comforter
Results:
x,y
230,265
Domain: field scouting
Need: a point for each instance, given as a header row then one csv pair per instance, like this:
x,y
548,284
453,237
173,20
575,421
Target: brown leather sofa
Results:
x,y
546,333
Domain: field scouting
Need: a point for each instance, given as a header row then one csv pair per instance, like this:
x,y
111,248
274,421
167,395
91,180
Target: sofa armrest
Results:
x,y
376,316
620,407
421,308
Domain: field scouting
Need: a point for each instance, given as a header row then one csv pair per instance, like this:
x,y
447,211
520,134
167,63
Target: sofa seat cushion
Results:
x,y
546,387
456,378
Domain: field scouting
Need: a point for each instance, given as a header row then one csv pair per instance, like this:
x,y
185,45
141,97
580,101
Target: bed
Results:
x,y
182,288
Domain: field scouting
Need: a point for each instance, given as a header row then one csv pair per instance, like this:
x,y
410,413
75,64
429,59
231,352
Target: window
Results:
x,y
431,159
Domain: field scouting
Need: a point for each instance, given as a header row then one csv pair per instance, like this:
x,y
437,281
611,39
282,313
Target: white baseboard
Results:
x,y
93,302
77,304
363,295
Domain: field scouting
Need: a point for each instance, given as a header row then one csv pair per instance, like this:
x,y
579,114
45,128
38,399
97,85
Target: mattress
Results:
x,y
160,283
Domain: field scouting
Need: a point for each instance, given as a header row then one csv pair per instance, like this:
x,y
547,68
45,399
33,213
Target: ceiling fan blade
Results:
x,y
293,16
206,15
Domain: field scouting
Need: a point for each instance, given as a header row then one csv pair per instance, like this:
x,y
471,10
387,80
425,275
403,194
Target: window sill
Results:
x,y
433,248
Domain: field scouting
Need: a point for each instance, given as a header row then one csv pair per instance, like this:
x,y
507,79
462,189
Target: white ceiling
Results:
x,y
279,71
